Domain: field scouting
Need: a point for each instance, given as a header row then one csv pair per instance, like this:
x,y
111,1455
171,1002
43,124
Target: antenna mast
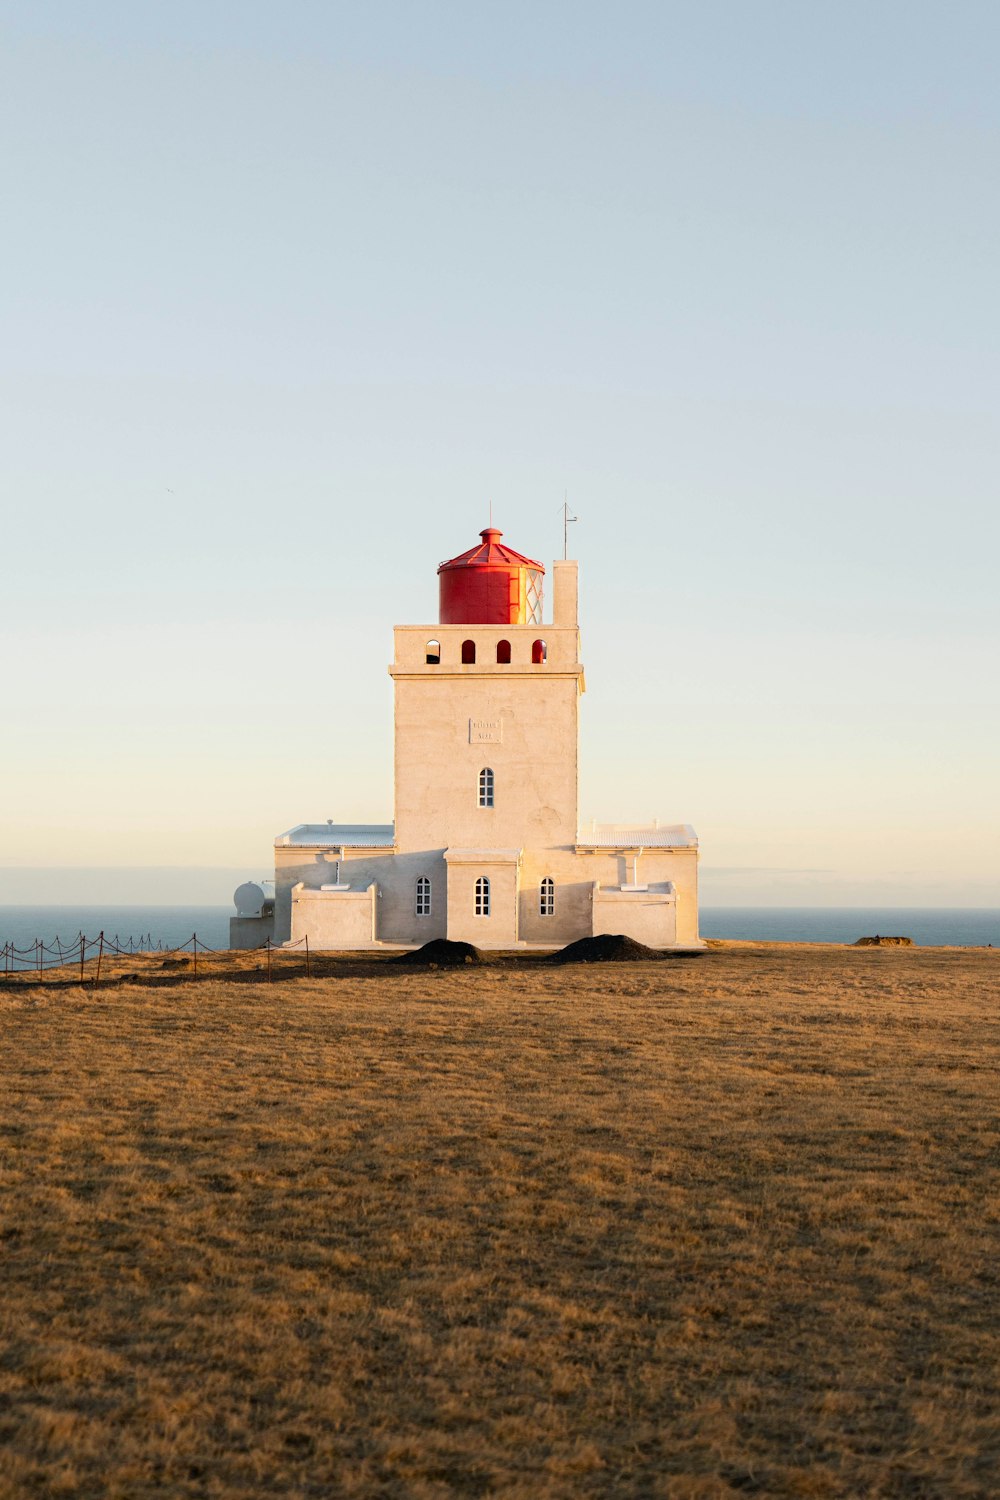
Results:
x,y
567,520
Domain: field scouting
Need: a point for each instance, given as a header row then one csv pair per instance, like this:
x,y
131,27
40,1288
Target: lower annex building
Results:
x,y
486,846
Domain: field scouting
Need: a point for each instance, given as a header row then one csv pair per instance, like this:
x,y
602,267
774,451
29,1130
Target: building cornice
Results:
x,y
540,670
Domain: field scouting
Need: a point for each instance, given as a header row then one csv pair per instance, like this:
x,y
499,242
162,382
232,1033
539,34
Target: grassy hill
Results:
x,y
718,1227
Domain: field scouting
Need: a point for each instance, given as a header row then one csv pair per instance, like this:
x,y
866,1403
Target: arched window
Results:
x,y
468,653
423,901
539,651
503,653
433,653
486,787
547,896
482,897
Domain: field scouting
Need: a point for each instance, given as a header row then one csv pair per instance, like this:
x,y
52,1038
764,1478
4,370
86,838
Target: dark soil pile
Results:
x,y
609,948
884,942
440,954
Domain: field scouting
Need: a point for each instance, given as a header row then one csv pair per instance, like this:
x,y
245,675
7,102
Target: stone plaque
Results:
x,y
485,731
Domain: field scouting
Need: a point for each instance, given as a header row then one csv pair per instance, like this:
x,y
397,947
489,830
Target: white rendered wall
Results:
x,y
250,932
574,874
451,721
499,929
334,920
648,916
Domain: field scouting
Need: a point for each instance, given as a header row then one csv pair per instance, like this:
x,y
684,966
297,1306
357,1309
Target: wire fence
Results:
x,y
86,956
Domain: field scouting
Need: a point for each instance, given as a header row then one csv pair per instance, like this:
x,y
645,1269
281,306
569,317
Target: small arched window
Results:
x,y
468,653
539,651
433,653
547,896
503,653
486,787
423,900
482,897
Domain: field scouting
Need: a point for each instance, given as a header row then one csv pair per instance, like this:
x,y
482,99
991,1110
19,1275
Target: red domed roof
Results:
x,y
490,585
491,553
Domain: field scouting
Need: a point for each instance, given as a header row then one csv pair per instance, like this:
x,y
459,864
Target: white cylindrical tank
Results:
x,y
251,897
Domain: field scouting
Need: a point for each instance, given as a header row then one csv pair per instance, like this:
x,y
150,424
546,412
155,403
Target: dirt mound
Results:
x,y
884,942
440,954
609,948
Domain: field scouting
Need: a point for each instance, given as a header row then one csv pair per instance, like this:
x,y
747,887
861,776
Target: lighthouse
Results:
x,y
485,845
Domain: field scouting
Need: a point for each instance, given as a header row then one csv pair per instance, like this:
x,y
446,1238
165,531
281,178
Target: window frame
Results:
x,y
487,787
546,897
482,897
422,896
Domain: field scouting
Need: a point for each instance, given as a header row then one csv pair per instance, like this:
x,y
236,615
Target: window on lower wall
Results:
x,y
423,901
547,897
482,897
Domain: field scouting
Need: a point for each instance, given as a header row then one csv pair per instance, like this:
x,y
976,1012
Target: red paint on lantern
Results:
x,y
491,585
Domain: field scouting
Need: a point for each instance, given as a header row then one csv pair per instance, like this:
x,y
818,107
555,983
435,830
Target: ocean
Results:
x,y
928,926
170,926
166,926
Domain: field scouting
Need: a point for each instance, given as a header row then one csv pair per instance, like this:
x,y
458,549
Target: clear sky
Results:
x,y
292,292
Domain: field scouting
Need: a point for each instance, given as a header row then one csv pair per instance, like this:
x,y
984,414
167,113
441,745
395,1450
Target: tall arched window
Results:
x,y
468,653
486,787
539,651
547,896
423,901
482,897
503,653
433,653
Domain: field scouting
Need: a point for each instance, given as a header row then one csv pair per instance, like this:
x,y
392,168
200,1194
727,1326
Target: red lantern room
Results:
x,y
491,585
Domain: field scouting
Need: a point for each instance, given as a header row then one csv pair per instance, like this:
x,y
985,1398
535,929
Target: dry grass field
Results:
x,y
722,1226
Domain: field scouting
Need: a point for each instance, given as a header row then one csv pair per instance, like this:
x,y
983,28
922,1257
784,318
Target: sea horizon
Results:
x,y
169,925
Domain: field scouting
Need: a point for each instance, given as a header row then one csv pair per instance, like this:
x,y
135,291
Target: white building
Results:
x,y
485,847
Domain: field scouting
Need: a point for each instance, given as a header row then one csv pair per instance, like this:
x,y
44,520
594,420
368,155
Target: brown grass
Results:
x,y
717,1227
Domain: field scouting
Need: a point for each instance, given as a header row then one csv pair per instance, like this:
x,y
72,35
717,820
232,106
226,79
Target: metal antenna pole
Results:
x,y
567,519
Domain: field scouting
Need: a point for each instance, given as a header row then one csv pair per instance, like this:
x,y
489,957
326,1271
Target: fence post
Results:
x,y
38,954
268,946
100,955
194,943
308,970
82,942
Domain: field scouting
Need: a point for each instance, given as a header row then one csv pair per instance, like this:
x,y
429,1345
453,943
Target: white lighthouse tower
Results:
x,y
485,846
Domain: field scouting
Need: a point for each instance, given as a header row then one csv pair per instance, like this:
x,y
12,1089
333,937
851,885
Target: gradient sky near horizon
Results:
x,y
293,294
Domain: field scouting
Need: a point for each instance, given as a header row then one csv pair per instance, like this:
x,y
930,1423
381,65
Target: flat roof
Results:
x,y
633,836
482,856
338,835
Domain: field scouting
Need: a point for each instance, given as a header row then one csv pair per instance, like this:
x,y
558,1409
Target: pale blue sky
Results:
x,y
290,294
